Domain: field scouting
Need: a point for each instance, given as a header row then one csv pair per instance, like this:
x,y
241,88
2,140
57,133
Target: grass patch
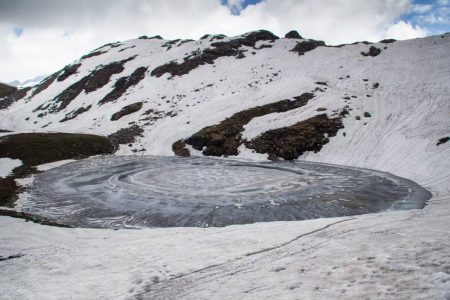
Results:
x,y
40,148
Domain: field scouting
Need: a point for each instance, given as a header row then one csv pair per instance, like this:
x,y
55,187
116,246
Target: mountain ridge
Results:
x,y
178,88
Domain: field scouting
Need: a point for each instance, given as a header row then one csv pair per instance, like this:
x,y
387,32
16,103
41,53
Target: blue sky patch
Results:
x,y
236,6
18,31
432,15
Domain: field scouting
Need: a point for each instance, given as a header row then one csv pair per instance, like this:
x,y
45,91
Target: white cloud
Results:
x,y
422,8
58,32
235,5
402,30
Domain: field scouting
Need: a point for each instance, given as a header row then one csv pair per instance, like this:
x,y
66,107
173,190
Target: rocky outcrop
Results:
x,y
44,84
225,138
387,41
373,51
156,37
293,34
92,54
126,135
122,85
97,79
73,114
6,90
179,148
306,46
291,142
443,140
10,94
68,71
209,55
129,109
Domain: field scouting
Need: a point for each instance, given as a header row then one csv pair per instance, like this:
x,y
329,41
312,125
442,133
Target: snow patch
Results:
x,y
7,165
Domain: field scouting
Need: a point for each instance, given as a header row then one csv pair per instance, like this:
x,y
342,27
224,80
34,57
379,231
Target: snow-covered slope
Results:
x,y
404,89
392,255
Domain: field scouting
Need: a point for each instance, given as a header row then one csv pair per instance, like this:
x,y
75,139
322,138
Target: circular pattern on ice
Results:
x,y
173,191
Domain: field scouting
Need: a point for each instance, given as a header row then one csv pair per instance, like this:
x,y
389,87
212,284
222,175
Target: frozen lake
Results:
x,y
132,191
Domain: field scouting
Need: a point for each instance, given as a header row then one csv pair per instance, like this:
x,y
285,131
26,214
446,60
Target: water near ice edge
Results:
x,y
171,191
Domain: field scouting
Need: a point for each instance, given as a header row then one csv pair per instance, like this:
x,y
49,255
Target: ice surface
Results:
x,y
171,191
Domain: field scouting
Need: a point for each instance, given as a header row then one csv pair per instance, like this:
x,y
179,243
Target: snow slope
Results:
x,y
392,255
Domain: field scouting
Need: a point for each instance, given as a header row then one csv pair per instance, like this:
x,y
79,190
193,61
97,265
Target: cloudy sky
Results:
x,y
38,37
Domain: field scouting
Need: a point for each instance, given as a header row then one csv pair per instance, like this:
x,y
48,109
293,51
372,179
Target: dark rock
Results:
x,y
344,112
144,37
373,51
291,142
293,34
123,84
217,37
6,90
129,109
367,114
262,47
260,35
387,41
209,55
358,118
68,71
321,83
169,44
97,79
321,109
184,42
443,140
73,114
125,135
305,46
355,43
9,95
92,54
179,148
376,85
44,84
225,138
153,115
